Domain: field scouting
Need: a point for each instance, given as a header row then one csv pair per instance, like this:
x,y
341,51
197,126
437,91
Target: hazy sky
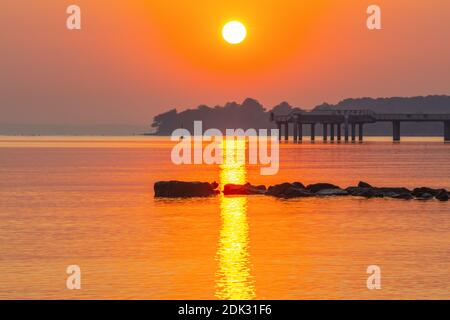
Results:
x,y
136,58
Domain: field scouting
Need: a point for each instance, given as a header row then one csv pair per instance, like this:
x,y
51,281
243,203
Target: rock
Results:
x,y
364,192
321,186
246,189
395,190
396,193
425,196
298,185
297,193
289,190
181,189
362,184
262,188
332,192
367,191
418,192
354,191
278,190
443,195
214,185
403,196
370,193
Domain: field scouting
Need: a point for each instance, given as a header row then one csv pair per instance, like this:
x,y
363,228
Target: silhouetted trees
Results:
x,y
249,114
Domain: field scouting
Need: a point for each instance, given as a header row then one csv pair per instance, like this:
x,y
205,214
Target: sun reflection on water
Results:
x,y
233,278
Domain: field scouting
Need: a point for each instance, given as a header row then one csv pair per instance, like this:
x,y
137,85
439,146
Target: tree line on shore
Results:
x,y
252,114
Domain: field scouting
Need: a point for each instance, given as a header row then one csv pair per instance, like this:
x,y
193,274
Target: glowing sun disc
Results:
x,y
234,32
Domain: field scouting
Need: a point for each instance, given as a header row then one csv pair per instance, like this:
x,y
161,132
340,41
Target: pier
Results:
x,y
346,125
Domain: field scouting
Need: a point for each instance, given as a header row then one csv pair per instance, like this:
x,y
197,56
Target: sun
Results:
x,y
234,32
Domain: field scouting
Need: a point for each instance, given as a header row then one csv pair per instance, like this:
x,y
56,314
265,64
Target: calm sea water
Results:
x,y
89,202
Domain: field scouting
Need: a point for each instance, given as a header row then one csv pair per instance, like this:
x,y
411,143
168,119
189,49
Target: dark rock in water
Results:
x,y
364,192
419,192
396,193
288,190
298,185
370,193
443,195
395,190
321,186
332,192
425,196
292,192
246,189
354,191
363,184
403,196
279,189
181,189
214,185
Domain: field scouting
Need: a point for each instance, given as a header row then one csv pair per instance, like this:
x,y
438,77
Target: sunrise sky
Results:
x,y
134,59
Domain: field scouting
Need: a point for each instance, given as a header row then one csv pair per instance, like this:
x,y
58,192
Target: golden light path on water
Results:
x,y
233,277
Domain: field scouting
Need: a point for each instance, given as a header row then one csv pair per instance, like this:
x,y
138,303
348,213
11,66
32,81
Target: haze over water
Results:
x,y
89,201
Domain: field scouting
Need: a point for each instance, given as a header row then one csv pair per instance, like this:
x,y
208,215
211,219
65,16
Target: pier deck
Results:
x,y
349,124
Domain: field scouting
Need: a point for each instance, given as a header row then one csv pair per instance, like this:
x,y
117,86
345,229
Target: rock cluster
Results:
x,y
181,189
178,189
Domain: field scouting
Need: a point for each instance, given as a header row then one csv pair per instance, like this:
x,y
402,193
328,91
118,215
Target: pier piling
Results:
x,y
447,131
361,132
279,130
396,131
295,132
353,132
346,131
286,131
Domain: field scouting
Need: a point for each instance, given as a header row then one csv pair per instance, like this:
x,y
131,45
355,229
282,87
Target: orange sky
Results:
x,y
136,58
